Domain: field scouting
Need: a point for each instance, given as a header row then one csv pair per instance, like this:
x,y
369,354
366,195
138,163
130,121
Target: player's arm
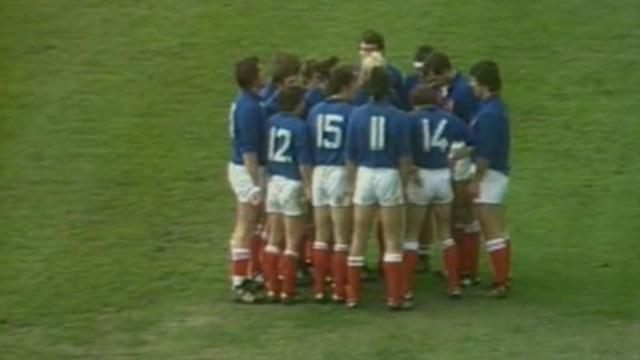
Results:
x,y
406,169
305,158
486,142
351,146
251,139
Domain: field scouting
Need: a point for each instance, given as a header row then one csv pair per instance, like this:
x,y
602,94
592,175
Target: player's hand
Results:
x,y
473,189
255,195
306,195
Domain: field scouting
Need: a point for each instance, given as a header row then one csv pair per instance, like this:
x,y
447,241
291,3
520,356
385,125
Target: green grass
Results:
x,y
115,211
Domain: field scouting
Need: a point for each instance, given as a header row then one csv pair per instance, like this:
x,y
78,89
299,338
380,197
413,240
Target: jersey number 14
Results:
x,y
436,140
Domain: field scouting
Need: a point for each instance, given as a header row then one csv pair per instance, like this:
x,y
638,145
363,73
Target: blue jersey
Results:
x,y
490,134
378,136
433,131
410,83
268,91
312,97
328,124
289,146
460,93
247,125
271,105
397,81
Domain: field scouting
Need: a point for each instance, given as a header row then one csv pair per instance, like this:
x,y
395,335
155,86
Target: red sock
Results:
x,y
450,261
498,253
393,278
380,238
271,259
289,262
256,246
409,264
320,266
508,247
339,266
464,251
472,239
239,265
308,247
355,264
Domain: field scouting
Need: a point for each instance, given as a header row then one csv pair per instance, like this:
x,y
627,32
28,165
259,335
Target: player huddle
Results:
x,y
324,154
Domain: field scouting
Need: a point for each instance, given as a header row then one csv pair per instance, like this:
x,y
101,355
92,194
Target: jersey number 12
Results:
x,y
280,138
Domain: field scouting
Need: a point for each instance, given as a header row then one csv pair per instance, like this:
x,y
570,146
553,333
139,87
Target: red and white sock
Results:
x,y
355,264
450,261
239,265
256,252
409,264
289,264
458,235
498,253
472,247
320,266
393,277
381,251
339,265
271,259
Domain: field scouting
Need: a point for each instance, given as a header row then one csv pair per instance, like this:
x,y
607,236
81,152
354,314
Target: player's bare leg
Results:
x,y
364,217
493,229
272,256
294,228
411,246
425,239
246,220
450,259
466,234
342,230
320,258
393,226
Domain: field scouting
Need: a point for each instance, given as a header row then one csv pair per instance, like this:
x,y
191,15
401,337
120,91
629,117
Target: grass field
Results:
x,y
115,211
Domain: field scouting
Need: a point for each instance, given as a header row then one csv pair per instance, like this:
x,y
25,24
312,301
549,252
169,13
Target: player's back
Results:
x,y
288,146
246,127
433,131
328,125
378,135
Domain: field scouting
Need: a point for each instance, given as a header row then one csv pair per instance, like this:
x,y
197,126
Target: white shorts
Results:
x,y
284,196
463,169
435,188
329,185
493,188
378,187
242,184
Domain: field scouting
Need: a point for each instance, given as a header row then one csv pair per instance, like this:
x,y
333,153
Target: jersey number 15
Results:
x,y
329,131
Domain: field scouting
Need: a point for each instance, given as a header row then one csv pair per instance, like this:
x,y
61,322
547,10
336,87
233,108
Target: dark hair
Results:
x,y
374,38
378,84
437,63
487,74
323,67
247,71
286,65
422,52
290,97
341,76
423,94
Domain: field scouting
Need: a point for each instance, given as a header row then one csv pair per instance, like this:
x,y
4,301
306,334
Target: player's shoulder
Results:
x,y
394,70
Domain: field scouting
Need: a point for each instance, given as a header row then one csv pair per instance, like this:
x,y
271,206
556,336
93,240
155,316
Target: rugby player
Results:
x,y
247,130
378,148
491,139
433,131
332,205
289,169
460,100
